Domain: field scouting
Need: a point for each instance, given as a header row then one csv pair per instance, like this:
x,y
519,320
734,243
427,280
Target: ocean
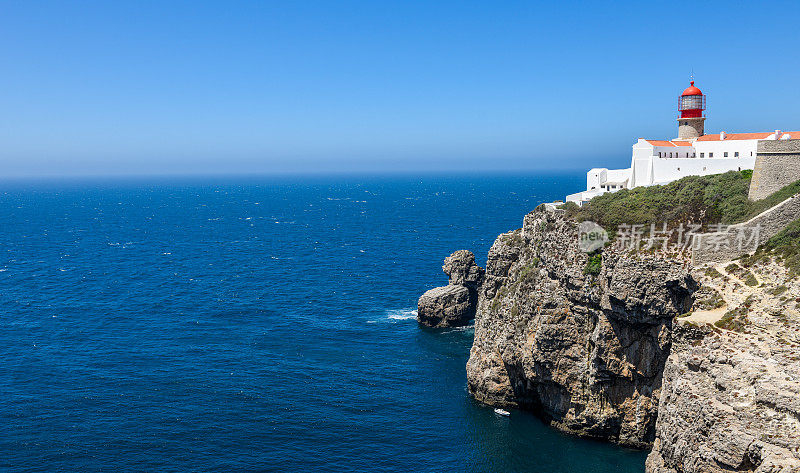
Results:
x,y
256,324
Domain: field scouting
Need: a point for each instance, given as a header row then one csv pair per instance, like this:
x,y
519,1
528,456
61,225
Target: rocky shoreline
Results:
x,y
599,345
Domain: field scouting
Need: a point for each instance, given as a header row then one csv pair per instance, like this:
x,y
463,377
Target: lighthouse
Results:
x,y
691,105
693,153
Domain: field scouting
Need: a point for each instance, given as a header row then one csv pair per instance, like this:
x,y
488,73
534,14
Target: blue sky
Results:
x,y
149,87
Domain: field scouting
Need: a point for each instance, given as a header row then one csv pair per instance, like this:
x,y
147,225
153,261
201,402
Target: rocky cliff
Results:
x,y
580,339
702,364
730,399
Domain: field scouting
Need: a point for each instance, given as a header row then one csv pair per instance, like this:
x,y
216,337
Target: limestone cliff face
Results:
x,y
730,399
585,351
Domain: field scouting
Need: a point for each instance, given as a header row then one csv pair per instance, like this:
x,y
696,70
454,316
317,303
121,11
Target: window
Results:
x,y
735,154
751,153
670,155
725,154
710,155
702,155
704,168
679,169
740,168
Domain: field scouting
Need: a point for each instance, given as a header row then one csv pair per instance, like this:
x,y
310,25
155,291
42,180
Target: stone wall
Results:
x,y
777,166
693,128
724,246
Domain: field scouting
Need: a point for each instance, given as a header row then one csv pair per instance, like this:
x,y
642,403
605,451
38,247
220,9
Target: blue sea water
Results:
x,y
257,324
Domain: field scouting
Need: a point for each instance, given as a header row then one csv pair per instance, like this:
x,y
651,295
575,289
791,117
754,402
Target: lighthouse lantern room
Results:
x,y
691,119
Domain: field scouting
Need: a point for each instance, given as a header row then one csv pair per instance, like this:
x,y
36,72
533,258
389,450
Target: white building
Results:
x,y
693,153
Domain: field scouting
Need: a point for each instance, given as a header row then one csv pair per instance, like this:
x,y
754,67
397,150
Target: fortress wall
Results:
x,y
724,246
777,166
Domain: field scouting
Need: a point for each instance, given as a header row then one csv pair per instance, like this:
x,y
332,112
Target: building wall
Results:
x,y
745,148
777,165
668,170
642,173
596,177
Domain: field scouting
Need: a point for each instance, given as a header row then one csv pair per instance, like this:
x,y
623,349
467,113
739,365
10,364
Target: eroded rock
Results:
x,y
453,305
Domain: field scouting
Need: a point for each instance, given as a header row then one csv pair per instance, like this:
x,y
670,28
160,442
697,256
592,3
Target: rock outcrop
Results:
x,y
455,304
583,343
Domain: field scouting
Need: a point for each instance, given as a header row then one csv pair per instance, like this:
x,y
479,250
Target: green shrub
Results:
x,y
707,299
777,291
528,272
594,264
707,200
785,246
761,205
734,320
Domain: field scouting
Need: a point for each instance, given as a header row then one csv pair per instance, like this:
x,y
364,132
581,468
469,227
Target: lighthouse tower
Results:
x,y
691,105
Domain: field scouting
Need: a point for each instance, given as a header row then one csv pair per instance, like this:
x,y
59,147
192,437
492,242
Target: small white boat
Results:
x,y
501,412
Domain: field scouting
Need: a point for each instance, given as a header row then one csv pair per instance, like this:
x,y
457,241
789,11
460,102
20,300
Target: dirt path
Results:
x,y
706,316
732,290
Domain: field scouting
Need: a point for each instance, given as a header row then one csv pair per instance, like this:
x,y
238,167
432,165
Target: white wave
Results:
x,y
401,314
466,329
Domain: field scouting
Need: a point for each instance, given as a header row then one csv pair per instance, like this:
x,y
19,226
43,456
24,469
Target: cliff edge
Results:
x,y
581,339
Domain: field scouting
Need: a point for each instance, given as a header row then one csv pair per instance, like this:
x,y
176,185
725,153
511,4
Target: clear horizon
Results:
x,y
356,87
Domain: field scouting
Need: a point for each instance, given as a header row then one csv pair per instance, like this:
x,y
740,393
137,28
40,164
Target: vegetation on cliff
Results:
x,y
785,246
705,200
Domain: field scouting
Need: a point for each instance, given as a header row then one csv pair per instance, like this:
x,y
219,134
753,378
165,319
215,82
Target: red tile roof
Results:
x,y
728,136
745,136
668,143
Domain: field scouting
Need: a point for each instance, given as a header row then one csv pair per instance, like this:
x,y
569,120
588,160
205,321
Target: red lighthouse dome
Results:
x,y
691,90
692,102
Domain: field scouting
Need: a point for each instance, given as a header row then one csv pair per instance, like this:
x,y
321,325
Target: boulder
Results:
x,y
447,306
